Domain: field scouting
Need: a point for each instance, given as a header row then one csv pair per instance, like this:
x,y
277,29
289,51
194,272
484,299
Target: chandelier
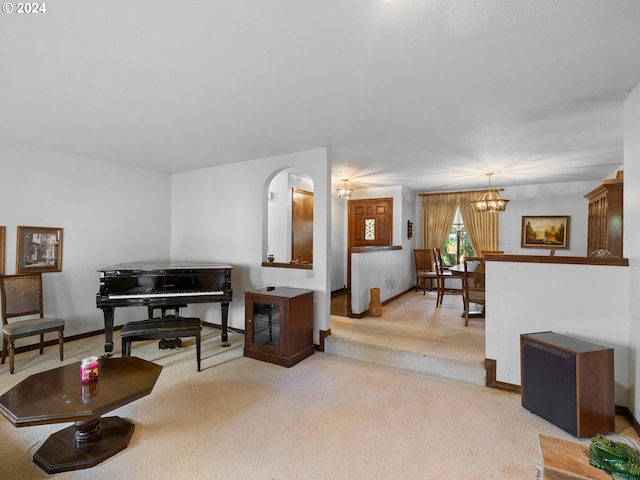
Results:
x,y
345,190
490,201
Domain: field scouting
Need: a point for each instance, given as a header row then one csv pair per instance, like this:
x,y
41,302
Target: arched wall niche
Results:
x,y
278,231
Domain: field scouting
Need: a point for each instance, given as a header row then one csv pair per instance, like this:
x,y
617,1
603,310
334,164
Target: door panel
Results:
x,y
367,218
302,226
370,222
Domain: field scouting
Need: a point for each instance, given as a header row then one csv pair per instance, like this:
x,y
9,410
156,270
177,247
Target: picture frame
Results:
x,y
551,231
2,233
39,249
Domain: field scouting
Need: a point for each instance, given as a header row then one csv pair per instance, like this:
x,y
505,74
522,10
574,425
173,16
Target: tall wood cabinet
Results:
x,y
279,325
605,218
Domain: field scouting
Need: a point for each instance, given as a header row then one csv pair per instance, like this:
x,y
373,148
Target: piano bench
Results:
x,y
158,328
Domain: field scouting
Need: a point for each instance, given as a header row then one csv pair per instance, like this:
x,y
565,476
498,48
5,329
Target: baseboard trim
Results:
x,y
323,335
50,343
626,413
229,329
490,368
385,302
339,291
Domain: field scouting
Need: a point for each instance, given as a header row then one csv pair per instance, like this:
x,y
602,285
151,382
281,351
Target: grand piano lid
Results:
x,y
155,266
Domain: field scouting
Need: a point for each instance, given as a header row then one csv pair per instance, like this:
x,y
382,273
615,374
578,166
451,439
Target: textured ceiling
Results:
x,y
430,94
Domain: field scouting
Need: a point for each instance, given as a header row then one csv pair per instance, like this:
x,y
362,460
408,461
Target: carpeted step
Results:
x,y
413,361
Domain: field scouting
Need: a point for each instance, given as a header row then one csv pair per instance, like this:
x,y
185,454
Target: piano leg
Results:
x,y
225,321
108,331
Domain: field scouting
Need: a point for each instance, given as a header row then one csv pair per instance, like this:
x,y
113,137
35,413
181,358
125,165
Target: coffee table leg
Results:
x,y
87,432
84,444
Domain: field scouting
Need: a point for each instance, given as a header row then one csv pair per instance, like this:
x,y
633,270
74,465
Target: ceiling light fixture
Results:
x,y
490,201
345,190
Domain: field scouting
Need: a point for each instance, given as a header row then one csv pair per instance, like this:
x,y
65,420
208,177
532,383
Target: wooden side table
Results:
x,y
279,325
58,395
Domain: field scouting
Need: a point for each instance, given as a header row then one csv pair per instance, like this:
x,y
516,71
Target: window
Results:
x,y
369,228
457,244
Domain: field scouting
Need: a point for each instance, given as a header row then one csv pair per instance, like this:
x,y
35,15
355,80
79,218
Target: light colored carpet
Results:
x,y
328,417
415,335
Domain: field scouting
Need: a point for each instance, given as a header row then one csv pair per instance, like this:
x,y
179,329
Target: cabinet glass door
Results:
x,y
266,324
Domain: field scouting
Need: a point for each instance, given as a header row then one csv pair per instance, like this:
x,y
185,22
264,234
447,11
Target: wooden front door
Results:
x,y
370,225
370,222
301,226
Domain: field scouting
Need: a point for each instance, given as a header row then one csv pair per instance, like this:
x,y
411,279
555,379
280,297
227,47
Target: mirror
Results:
x,y
289,239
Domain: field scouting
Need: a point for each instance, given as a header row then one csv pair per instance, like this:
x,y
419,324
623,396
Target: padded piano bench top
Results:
x,y
161,328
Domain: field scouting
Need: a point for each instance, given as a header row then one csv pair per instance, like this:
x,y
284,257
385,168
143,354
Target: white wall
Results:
x,y
391,271
109,214
218,215
632,231
386,270
550,199
590,302
280,212
279,218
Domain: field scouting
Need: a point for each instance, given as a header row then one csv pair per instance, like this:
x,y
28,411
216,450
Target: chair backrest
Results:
x,y
422,259
473,278
21,295
437,260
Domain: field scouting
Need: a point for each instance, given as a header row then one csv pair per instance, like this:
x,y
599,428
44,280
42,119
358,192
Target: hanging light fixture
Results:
x,y
345,190
490,201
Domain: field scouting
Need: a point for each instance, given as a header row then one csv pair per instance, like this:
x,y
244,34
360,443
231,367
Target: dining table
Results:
x,y
475,268
458,270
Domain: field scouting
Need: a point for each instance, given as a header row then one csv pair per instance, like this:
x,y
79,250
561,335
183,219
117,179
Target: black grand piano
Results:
x,y
162,286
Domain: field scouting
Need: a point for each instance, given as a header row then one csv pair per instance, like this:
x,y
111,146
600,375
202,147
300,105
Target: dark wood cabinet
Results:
x,y
604,231
279,325
568,382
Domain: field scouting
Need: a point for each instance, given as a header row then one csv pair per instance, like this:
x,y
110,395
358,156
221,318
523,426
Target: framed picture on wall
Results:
x,y
545,232
2,231
39,249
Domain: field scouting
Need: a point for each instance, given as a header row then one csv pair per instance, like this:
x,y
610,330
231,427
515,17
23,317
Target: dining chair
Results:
x,y
473,291
441,275
22,297
424,269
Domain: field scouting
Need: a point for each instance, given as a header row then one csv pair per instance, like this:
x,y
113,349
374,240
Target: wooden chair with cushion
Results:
x,y
473,291
22,297
424,269
442,275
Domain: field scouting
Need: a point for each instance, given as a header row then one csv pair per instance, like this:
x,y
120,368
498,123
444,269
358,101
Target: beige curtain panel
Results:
x,y
438,211
482,228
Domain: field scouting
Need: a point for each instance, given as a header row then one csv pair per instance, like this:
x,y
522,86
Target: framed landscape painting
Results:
x,y
39,249
545,232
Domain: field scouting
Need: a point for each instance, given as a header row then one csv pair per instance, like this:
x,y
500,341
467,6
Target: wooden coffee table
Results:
x,y
58,395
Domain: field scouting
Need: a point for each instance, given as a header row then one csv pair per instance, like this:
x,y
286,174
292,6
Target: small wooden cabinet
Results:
x,y
604,231
279,325
568,382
